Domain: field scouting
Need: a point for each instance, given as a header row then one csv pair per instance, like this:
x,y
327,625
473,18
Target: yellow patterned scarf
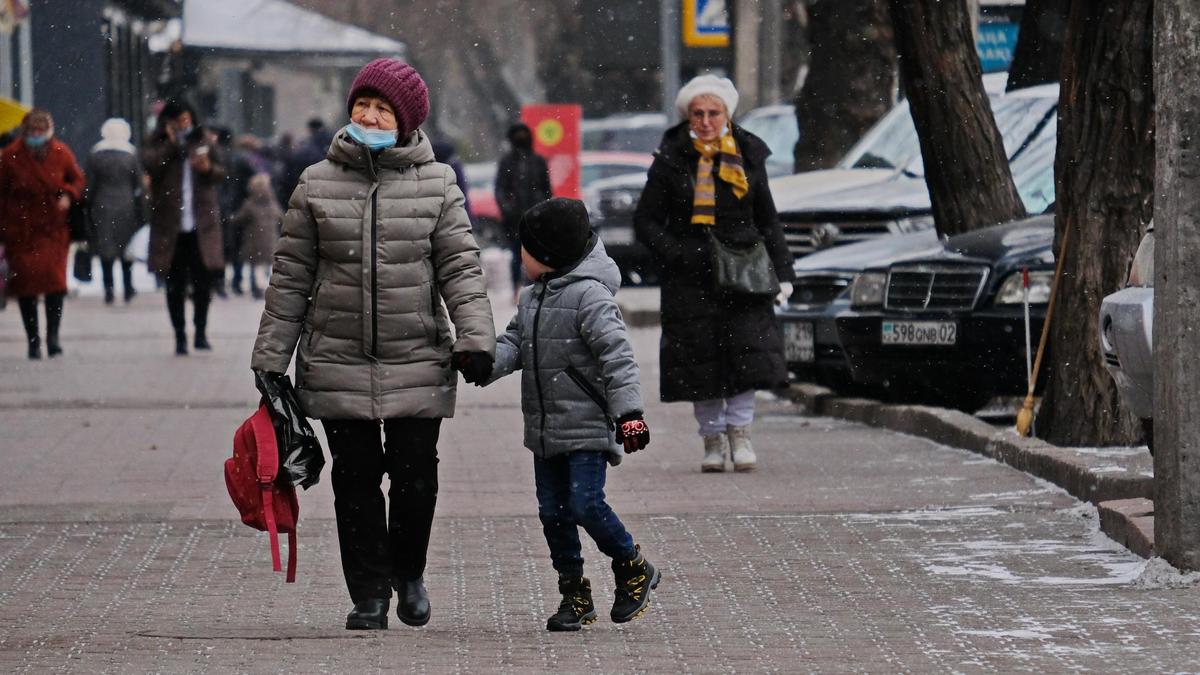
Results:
x,y
704,203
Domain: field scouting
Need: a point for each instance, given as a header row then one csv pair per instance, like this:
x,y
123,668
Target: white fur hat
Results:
x,y
721,87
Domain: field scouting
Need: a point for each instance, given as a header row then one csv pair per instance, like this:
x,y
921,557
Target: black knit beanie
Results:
x,y
556,232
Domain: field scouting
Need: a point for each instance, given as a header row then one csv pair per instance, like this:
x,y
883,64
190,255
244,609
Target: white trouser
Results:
x,y
713,416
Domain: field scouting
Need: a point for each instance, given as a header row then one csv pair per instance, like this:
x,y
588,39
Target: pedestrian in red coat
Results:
x,y
39,181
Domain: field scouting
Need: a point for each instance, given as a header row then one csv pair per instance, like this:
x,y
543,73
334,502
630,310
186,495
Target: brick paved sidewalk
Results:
x,y
852,549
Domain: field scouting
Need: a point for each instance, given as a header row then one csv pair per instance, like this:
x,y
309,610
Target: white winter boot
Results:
x,y
743,453
716,447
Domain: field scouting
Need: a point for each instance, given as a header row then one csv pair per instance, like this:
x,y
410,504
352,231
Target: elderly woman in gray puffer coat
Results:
x,y
375,239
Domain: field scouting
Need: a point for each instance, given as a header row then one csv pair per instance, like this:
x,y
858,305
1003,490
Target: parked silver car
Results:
x,y
1127,336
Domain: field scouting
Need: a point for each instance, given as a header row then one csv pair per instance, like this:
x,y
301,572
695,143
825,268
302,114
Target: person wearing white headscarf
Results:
x,y
114,196
708,183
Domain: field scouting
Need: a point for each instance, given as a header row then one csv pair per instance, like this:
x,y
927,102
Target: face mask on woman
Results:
x,y
38,140
374,139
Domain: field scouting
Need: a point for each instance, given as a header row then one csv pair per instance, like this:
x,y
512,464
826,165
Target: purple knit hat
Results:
x,y
400,85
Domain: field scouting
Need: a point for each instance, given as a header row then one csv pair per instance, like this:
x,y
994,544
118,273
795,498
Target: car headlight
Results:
x,y
1011,293
620,202
914,223
867,289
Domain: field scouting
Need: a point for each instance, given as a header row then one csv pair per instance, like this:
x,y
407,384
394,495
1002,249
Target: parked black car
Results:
x,y
823,279
611,203
948,329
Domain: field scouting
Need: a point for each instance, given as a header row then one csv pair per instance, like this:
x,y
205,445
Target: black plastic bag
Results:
x,y
300,456
83,264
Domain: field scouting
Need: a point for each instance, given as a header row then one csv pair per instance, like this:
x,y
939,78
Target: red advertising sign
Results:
x,y
556,137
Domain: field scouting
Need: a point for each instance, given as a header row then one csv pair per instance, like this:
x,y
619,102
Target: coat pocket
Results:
x,y
316,317
589,390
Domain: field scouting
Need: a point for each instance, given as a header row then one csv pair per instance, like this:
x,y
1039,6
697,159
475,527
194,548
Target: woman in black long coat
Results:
x,y
718,347
114,194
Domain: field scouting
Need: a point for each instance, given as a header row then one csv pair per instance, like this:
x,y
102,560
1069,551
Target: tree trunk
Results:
x,y
1104,184
966,166
1176,314
1037,58
851,79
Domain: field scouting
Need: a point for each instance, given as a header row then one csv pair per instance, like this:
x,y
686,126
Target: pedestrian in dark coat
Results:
x,y
717,346
375,263
114,201
258,219
522,180
186,244
39,181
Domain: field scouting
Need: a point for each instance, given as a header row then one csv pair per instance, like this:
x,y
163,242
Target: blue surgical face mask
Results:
x,y
36,141
374,139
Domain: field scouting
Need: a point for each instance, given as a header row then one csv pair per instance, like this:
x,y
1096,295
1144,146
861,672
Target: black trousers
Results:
x,y
383,545
106,268
29,317
188,271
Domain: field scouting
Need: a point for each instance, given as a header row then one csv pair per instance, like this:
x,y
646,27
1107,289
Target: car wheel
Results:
x,y
1148,433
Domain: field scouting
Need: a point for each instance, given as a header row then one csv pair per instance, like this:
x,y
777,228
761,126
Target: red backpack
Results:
x,y
265,504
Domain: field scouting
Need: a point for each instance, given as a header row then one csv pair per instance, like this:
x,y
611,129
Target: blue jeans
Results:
x,y
570,493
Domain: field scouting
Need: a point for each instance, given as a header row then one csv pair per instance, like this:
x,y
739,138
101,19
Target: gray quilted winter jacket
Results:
x,y
579,372
371,247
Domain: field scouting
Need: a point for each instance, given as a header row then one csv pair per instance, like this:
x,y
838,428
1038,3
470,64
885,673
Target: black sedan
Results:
x,y
949,328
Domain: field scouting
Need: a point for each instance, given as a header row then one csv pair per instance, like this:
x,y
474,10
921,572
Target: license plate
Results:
x,y
617,235
938,333
798,341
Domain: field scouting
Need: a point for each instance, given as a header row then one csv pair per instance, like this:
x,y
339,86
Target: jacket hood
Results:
x,y
416,149
595,264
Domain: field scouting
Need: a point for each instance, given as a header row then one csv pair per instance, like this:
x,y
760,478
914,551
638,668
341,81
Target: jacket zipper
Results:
x,y
537,315
374,273
580,381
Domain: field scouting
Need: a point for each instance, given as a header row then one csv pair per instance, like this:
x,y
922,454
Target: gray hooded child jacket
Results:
x,y
579,375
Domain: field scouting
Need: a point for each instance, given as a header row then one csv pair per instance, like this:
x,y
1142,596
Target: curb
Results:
x,y
1129,522
1123,495
639,318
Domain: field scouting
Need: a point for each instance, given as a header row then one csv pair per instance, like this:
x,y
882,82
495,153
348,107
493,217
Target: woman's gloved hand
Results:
x,y
785,292
476,367
633,432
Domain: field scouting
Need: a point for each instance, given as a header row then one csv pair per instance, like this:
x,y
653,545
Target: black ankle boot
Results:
x,y
371,614
576,609
180,343
35,349
635,579
413,605
201,342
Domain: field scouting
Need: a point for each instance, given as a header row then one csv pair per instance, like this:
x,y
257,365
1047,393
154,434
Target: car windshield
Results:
x,y
893,142
481,174
590,173
624,139
777,127
1033,170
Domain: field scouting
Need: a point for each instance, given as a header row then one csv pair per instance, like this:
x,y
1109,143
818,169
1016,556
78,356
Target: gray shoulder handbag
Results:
x,y
743,269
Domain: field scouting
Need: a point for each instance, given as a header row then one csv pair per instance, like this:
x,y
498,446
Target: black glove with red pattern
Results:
x,y
633,432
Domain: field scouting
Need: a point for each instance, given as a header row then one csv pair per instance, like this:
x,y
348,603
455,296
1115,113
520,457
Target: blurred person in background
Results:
x,y
310,151
718,346
446,153
185,170
39,182
115,202
522,180
258,220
